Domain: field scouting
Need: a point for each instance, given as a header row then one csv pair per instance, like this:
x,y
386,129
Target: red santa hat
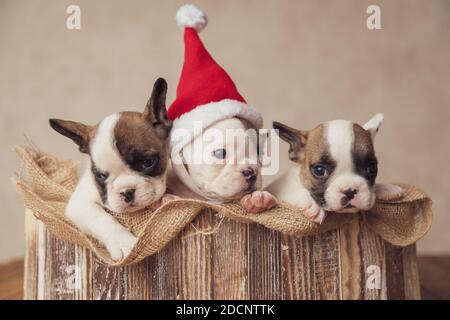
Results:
x,y
206,94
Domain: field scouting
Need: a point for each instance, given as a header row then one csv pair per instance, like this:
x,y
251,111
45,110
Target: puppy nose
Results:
x,y
248,172
128,195
350,193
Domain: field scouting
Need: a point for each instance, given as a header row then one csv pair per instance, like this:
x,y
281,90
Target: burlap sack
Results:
x,y
51,181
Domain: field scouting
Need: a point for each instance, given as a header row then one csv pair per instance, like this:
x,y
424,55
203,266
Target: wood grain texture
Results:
x,y
54,269
297,273
373,264
195,263
163,272
352,283
411,273
215,258
60,263
433,271
31,264
264,263
134,283
326,266
83,276
395,285
105,282
230,260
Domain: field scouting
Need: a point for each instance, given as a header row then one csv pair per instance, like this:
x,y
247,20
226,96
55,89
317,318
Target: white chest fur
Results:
x,y
288,187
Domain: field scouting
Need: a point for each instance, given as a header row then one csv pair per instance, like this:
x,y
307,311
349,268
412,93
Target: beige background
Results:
x,y
299,62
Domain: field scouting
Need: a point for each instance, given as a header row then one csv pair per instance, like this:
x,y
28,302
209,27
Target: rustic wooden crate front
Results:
x,y
238,261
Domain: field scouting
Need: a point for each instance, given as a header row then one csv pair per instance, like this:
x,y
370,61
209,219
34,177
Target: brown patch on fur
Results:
x,y
315,151
316,144
136,139
363,152
362,144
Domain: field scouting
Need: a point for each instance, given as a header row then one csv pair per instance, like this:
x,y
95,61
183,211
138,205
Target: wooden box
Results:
x,y
236,261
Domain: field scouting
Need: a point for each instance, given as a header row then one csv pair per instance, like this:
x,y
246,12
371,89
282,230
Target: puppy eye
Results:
x,y
220,153
147,163
372,168
100,176
319,171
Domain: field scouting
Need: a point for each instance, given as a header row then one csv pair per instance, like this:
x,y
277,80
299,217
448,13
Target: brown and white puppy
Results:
x,y
126,172
336,168
227,169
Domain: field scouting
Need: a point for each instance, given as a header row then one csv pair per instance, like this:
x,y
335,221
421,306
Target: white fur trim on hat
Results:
x,y
208,114
189,15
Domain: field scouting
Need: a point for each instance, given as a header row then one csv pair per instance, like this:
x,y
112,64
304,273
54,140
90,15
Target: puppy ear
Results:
x,y
155,110
374,124
78,132
295,138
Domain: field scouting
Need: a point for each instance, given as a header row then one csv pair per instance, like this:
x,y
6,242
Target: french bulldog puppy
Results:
x,y
227,169
126,172
208,102
336,168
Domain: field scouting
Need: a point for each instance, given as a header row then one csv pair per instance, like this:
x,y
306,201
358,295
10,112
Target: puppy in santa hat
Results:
x,y
214,148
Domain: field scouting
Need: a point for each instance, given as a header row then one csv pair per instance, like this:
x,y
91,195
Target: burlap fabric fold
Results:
x,y
50,181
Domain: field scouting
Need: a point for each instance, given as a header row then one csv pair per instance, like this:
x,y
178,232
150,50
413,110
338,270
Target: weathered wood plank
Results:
x,y
62,268
230,260
395,285
54,269
264,263
297,274
42,276
352,282
162,272
105,281
134,283
83,280
373,268
31,257
236,261
195,271
325,249
411,273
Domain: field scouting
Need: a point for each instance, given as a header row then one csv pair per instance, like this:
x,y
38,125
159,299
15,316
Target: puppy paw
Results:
x,y
258,201
315,213
168,197
120,245
155,205
388,192
164,199
311,208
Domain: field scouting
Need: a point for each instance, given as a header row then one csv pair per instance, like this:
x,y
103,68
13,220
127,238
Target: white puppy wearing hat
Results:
x,y
214,140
